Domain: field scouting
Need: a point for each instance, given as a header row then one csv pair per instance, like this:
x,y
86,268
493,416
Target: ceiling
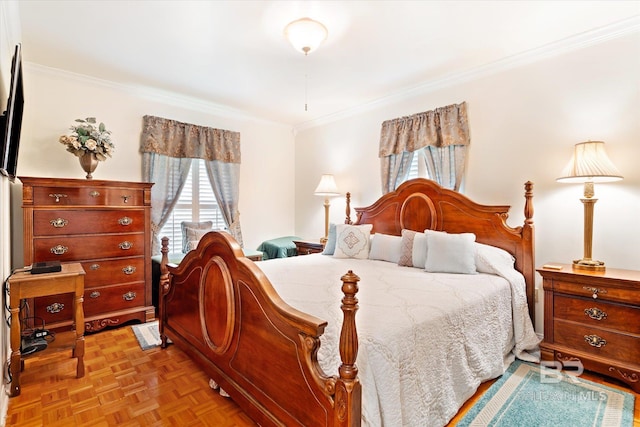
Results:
x,y
233,54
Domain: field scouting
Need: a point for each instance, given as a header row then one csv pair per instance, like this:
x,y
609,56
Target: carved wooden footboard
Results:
x,y
219,308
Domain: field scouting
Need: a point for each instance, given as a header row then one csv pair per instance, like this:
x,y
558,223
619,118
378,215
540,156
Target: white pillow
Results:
x,y
385,247
419,252
450,253
492,260
352,241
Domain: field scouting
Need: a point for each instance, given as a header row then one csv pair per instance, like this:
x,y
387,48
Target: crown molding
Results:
x,y
153,94
569,44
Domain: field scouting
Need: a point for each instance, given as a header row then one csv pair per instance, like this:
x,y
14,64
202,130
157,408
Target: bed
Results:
x,y
294,362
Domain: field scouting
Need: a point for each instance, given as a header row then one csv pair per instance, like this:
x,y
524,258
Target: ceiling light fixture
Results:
x,y
305,35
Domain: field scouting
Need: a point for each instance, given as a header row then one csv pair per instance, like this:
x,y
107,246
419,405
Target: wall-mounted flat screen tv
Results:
x,y
11,120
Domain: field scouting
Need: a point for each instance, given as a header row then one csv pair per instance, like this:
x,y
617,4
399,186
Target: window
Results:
x,y
195,203
418,168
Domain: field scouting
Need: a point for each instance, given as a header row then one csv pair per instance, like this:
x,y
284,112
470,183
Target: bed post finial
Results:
x,y
528,205
348,210
348,394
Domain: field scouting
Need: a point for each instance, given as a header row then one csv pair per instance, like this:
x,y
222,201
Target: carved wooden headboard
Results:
x,y
421,204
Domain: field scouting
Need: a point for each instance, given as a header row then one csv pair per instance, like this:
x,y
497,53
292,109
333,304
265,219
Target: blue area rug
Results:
x,y
525,398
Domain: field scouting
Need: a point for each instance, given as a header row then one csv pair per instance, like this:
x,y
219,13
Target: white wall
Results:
x,y
524,122
54,99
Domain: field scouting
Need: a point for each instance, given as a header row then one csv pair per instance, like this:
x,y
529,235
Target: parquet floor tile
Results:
x,y
123,386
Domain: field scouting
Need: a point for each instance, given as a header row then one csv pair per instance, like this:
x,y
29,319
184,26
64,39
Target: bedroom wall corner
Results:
x,y
9,37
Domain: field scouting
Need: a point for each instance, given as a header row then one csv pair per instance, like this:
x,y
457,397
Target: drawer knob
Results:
x,y
595,291
129,296
129,269
125,245
59,222
125,199
94,294
595,341
94,193
56,307
595,313
125,220
94,266
59,250
57,196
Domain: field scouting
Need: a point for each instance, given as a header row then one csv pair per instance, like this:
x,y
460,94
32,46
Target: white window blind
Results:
x,y
195,203
418,168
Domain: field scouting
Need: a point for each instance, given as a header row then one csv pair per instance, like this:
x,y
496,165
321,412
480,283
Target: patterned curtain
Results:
x,y
177,141
439,130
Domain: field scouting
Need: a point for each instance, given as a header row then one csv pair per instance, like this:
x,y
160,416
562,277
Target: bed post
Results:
x,y
348,396
163,288
529,245
347,220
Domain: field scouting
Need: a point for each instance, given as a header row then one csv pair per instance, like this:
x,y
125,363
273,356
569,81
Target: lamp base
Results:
x,y
588,264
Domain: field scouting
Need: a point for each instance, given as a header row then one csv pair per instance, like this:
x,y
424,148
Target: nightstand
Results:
x,y
593,318
306,248
24,285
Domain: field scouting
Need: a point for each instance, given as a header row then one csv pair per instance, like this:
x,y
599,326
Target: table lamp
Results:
x,y
327,188
589,164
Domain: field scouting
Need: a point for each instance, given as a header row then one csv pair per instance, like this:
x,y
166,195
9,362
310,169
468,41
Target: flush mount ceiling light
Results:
x,y
305,34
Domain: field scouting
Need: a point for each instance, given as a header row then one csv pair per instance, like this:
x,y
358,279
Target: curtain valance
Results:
x,y
441,127
183,140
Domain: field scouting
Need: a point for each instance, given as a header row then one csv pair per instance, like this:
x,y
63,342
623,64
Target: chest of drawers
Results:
x,y
593,318
105,226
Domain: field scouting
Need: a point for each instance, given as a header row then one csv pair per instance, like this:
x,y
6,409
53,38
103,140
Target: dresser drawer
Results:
x,y
87,196
112,298
76,248
107,272
602,292
611,344
60,222
597,313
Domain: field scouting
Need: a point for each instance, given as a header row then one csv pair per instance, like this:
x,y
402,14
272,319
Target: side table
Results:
x,y
26,285
307,248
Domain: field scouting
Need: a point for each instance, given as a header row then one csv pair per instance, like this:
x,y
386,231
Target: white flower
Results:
x,y
87,138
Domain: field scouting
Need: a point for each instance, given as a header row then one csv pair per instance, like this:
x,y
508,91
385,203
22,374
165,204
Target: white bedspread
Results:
x,y
427,340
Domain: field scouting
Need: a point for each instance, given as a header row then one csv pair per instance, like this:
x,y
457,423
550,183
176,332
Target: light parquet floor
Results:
x,y
126,386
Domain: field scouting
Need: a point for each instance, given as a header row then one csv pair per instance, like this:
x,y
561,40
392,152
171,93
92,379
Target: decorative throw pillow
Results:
x,y
204,225
450,253
330,246
406,248
492,260
385,247
352,241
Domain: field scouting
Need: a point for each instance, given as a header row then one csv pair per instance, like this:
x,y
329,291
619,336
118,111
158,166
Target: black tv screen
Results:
x,y
11,120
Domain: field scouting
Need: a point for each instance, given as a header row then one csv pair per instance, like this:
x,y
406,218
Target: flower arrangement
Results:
x,y
87,138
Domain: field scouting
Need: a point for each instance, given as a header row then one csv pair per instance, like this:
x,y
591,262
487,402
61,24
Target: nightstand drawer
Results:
x,y
597,341
597,313
602,292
